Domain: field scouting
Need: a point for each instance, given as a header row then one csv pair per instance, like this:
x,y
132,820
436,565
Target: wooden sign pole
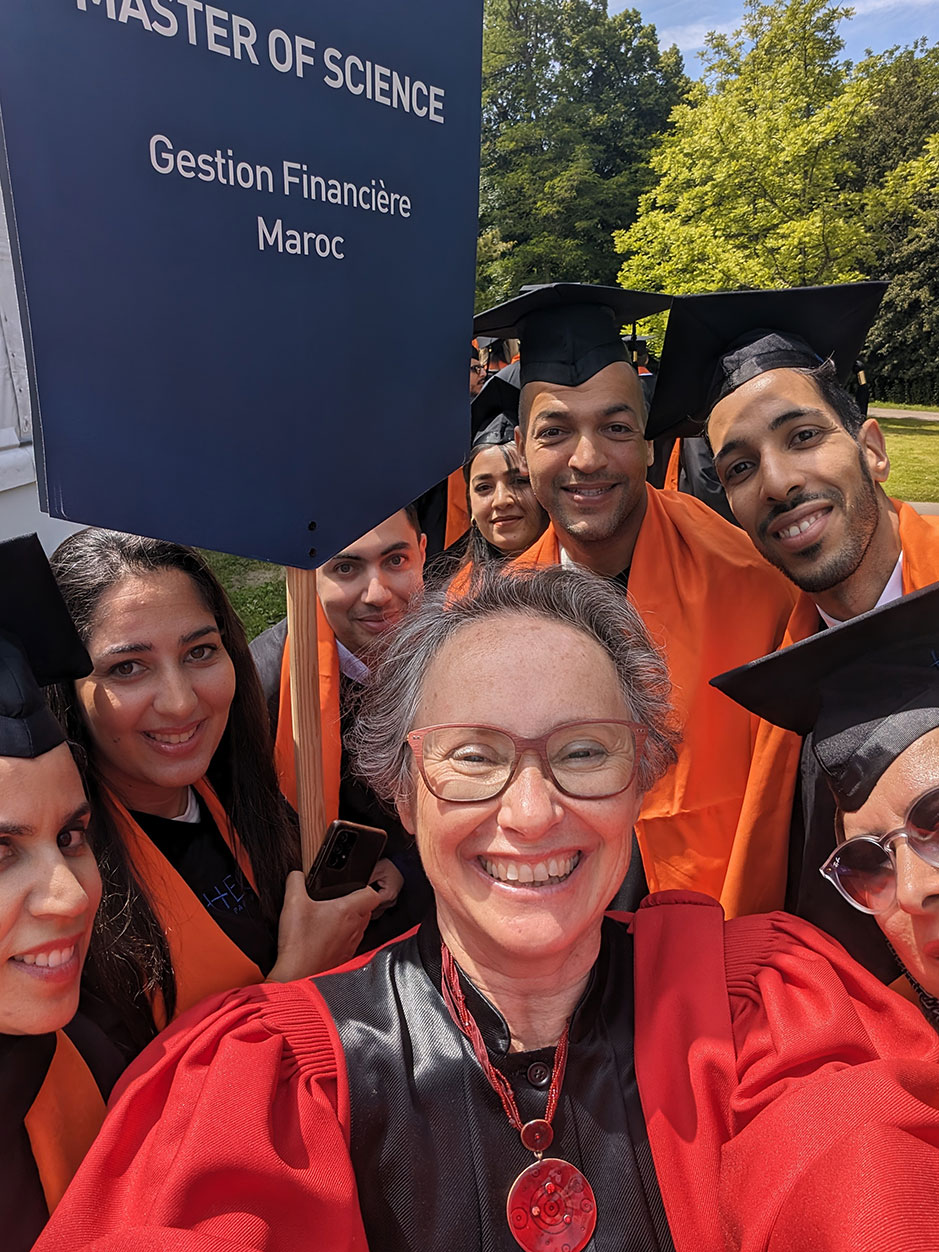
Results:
x,y
305,708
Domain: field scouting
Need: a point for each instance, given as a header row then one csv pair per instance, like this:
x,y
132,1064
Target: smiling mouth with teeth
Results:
x,y
157,737
800,527
50,960
580,489
542,874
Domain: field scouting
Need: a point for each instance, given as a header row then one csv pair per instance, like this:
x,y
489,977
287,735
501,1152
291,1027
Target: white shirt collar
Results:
x,y
350,665
191,812
892,591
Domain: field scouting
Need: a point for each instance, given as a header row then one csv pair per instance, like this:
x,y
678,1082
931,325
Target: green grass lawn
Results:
x,y
908,408
913,447
255,588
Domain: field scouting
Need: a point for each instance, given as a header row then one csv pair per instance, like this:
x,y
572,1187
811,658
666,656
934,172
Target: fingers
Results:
x,y
364,901
389,880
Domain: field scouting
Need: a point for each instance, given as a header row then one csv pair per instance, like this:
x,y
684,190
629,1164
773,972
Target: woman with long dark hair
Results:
x,y
194,840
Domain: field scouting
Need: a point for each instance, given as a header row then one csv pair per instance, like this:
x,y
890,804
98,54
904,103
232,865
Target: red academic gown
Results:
x,y
711,602
791,1101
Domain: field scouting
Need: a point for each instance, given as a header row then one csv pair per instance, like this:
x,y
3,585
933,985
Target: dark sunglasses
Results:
x,y
864,868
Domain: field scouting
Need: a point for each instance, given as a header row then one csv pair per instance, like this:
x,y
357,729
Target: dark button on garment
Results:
x,y
539,1075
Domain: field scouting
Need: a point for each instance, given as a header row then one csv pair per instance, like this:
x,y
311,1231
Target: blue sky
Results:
x,y
877,24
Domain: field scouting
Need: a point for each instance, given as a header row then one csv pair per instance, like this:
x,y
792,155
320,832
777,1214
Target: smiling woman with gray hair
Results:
x,y
524,1071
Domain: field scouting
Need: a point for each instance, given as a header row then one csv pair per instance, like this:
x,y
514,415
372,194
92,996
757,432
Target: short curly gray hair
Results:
x,y
388,704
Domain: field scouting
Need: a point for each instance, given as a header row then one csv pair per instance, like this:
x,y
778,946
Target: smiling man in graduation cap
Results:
x,y
803,470
865,694
583,439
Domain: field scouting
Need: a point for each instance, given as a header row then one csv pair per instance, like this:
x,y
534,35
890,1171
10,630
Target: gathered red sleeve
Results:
x,y
792,1100
229,1132
834,1120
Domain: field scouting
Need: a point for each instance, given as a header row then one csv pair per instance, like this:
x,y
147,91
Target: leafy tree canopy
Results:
x,y
904,358
758,179
573,99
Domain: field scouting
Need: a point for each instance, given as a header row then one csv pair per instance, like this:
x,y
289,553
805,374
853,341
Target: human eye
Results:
x,y
7,851
73,838
550,432
342,569
521,480
580,752
483,489
398,560
125,669
475,755
203,652
805,435
735,472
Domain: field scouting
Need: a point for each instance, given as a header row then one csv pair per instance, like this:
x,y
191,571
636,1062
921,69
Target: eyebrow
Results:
x,y
790,415
619,406
402,546
121,649
11,828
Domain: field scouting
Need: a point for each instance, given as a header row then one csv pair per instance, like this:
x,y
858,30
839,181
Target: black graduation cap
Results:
x,y
719,340
636,346
569,331
495,407
865,690
38,645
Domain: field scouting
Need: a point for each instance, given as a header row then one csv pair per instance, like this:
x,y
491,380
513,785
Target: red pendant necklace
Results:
x,y
551,1206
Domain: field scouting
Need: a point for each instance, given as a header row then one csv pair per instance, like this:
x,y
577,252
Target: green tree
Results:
x,y
904,356
572,101
904,113
756,182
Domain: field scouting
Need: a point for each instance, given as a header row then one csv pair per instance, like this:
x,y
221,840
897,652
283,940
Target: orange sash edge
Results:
x,y
205,961
64,1119
331,747
673,469
919,542
458,519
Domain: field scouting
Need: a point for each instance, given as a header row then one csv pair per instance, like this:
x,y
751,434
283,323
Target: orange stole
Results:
x,y
284,754
205,960
710,602
458,518
64,1118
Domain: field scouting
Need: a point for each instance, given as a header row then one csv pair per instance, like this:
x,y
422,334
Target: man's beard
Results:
x,y
590,528
861,521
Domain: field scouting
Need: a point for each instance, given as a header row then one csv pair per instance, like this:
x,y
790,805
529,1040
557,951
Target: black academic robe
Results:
x,y
25,1062
409,1120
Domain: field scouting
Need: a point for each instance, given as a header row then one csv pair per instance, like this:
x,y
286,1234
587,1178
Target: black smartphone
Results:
x,y
346,861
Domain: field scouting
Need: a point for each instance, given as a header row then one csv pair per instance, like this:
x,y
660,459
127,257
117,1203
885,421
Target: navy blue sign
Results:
x,y
247,245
